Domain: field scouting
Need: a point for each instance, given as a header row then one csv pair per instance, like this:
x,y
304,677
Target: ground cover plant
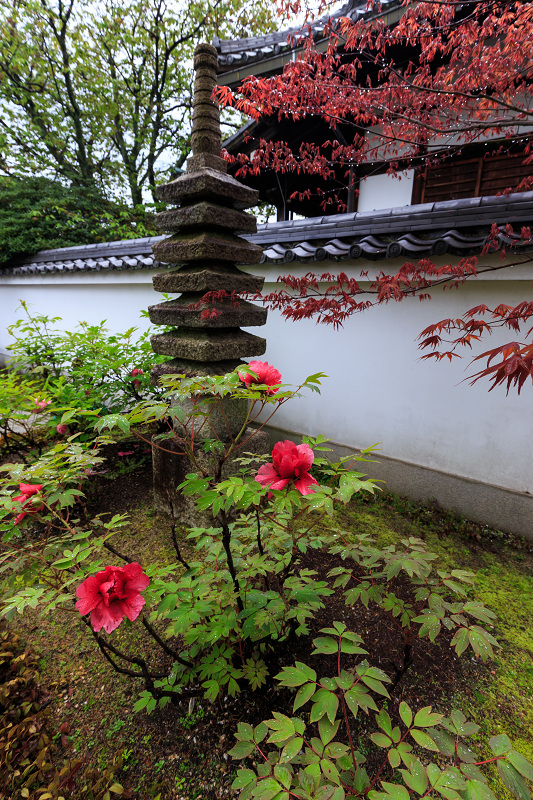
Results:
x,y
180,754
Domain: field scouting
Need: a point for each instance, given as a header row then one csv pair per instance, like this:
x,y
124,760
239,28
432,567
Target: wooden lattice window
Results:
x,y
470,177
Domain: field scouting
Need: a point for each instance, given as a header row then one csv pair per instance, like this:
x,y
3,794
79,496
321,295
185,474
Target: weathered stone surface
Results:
x,y
205,122
200,345
206,246
202,96
210,278
205,55
207,184
205,141
206,111
179,312
206,161
206,214
170,469
180,366
212,420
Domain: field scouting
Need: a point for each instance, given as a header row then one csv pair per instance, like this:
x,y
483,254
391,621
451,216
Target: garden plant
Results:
x,y
222,617
57,381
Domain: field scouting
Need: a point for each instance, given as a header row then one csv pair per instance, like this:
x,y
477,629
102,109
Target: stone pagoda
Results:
x,y
204,250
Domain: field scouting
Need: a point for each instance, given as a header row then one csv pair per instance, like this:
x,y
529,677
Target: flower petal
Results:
x,y
107,617
136,578
306,484
305,456
266,474
30,488
132,608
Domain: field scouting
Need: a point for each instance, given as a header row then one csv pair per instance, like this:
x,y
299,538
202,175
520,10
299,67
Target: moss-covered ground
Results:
x,y
165,755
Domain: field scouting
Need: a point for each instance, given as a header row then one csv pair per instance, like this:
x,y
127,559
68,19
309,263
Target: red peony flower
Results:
x,y
28,490
133,373
111,595
290,462
62,429
266,374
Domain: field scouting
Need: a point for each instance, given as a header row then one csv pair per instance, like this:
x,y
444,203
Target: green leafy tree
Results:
x,y
40,214
99,94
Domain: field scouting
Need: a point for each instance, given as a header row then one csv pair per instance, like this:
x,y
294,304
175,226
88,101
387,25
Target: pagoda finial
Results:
x,y
205,137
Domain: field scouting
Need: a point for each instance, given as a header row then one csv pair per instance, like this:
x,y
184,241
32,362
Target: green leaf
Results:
x,y
521,764
282,726
260,732
425,718
406,714
327,729
424,740
293,676
381,739
394,758
245,732
242,750
460,641
395,792
267,789
500,745
283,774
481,642
476,790
303,695
358,697
291,749
324,644
513,780
415,777
325,703
244,778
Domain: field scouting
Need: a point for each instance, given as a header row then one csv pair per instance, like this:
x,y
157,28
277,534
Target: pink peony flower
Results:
x,y
28,490
266,374
111,595
290,462
62,429
133,373
40,405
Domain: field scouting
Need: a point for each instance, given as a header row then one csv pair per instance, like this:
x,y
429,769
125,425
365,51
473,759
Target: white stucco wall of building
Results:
x,y
378,391
385,191
118,297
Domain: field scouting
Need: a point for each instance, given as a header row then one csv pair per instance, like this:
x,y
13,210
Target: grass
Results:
x,y
158,752
502,699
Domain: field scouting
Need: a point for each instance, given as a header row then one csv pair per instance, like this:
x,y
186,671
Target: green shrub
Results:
x,y
41,214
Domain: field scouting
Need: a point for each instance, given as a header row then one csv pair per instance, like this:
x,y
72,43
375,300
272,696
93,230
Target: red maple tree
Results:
x,y
446,75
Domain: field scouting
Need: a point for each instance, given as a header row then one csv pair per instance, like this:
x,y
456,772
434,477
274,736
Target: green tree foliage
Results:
x,y
99,94
39,214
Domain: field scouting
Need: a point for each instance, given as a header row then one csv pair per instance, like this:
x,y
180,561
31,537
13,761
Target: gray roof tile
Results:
x,y
458,226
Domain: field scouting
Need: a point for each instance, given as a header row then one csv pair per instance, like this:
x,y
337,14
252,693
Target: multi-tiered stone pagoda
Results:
x,y
205,249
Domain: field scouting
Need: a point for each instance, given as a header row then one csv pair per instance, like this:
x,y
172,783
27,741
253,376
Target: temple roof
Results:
x,y
460,227
274,49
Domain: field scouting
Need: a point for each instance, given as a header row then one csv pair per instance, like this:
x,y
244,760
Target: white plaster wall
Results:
x,y
385,191
377,391
117,297
419,411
